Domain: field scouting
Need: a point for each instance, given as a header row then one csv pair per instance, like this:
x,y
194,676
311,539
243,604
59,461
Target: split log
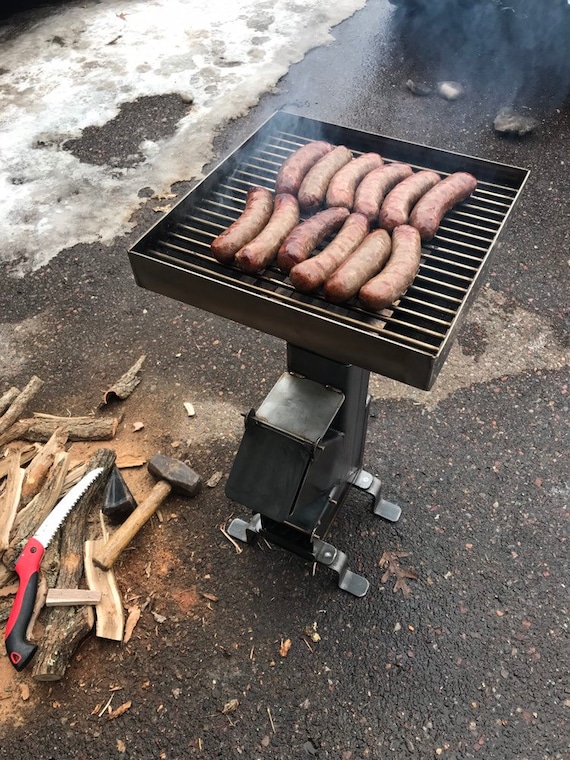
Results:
x,y
126,384
66,627
29,519
26,455
41,595
38,469
10,499
109,613
16,408
7,398
41,428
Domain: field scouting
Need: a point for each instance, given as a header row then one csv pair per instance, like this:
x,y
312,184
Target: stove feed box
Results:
x,y
290,458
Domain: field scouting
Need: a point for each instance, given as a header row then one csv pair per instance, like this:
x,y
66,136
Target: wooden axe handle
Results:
x,y
134,522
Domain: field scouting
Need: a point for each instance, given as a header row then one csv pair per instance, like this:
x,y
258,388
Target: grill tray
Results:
x,y
410,341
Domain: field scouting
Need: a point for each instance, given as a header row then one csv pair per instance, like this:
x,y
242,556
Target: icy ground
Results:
x,y
74,68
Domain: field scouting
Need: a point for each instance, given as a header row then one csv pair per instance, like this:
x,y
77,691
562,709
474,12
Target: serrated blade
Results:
x,y
50,525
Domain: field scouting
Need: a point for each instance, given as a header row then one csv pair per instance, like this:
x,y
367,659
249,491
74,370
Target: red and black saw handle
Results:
x,y
20,650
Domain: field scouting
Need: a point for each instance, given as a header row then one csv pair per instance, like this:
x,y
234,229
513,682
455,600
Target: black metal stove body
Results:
x,y
301,452
303,447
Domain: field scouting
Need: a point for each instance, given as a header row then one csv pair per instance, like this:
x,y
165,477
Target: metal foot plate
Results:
x,y
372,485
327,554
245,531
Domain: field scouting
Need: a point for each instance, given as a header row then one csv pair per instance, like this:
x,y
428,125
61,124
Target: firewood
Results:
x,y
37,470
71,597
10,499
66,627
26,455
16,408
15,431
109,614
7,398
41,428
31,517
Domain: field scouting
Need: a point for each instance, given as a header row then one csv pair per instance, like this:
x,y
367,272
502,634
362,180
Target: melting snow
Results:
x,y
75,68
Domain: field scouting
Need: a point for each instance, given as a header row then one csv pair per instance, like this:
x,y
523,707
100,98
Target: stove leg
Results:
x,y
320,551
245,531
372,485
328,555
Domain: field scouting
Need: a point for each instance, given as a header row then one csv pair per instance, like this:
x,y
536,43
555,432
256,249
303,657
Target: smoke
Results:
x,y
513,50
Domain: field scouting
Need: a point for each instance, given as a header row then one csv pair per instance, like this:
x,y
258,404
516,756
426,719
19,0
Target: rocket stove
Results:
x,y
303,447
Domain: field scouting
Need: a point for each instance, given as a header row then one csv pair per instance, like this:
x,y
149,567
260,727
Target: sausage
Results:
x,y
260,251
395,209
302,241
366,261
258,208
371,191
294,168
314,186
342,186
311,274
399,272
428,212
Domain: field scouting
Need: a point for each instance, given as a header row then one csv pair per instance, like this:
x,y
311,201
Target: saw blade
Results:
x,y
50,525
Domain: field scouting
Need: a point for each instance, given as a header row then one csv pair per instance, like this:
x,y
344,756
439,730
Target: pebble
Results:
x,y
450,90
418,88
509,122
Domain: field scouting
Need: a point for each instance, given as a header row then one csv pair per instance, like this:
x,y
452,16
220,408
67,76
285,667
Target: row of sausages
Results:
x,y
376,266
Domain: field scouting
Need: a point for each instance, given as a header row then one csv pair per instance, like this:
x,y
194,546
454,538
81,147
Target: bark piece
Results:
x,y
42,427
126,384
10,499
109,614
38,469
66,627
16,408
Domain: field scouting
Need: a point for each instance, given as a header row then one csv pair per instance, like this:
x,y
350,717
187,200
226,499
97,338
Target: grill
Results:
x,y
303,448
409,342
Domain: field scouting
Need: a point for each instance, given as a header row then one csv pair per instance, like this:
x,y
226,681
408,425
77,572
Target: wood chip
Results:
x,y
285,647
120,710
214,479
24,691
211,597
230,706
124,461
132,619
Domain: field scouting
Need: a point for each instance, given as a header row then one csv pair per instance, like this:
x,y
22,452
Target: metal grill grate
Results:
x,y
407,342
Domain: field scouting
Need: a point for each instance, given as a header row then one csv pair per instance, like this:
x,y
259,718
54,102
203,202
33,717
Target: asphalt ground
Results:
x,y
474,664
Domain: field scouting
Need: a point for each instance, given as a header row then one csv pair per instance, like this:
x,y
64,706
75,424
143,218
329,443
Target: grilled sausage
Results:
x,y
314,186
395,209
294,168
428,212
311,274
366,261
399,272
258,253
343,185
303,240
258,208
371,191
